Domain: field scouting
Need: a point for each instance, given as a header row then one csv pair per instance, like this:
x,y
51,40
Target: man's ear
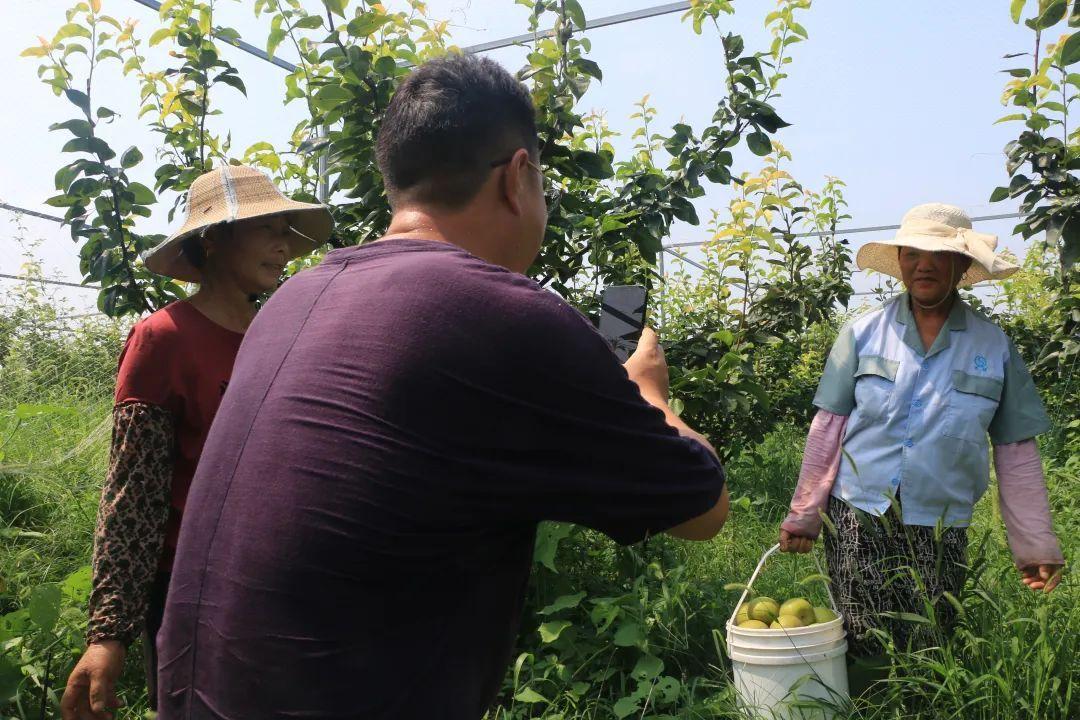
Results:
x,y
514,184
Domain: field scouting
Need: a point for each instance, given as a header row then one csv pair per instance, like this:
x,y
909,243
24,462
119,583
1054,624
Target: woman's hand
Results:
x,y
795,543
91,690
1042,577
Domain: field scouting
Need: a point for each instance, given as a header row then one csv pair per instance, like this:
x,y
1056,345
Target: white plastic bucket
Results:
x,y
774,669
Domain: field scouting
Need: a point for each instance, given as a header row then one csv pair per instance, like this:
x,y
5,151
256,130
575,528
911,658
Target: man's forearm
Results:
x,y
677,422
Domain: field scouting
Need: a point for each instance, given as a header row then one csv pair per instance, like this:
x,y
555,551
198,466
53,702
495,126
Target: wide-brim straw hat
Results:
x,y
231,193
936,227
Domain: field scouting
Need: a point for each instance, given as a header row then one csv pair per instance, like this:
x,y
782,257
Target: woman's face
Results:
x,y
254,254
930,276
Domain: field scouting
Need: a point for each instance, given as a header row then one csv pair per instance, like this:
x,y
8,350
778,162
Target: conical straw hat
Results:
x,y
937,227
237,192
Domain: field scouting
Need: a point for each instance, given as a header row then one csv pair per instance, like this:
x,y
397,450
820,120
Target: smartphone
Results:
x,y
622,317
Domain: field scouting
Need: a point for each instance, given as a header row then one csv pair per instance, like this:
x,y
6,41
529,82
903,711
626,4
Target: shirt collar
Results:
x,y
957,320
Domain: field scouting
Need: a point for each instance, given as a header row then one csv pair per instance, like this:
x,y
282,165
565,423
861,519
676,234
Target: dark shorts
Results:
x,y
155,610
880,567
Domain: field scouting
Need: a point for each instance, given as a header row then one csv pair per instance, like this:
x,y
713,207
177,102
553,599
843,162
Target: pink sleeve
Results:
x,y
821,462
1025,507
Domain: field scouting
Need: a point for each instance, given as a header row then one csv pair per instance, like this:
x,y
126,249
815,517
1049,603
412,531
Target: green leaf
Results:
x,y
626,706
528,695
647,667
386,66
27,411
562,603
588,67
72,30
160,35
759,143
1016,9
76,586
999,194
548,536
131,157
234,81
44,606
550,631
1052,15
79,99
78,128
367,24
1070,51
577,15
11,679
629,634
143,195
311,22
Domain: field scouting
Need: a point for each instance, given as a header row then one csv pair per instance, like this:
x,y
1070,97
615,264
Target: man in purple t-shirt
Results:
x,y
358,535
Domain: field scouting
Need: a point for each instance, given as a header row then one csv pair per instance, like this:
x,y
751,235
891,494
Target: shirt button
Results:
x,y
909,443
926,363
917,404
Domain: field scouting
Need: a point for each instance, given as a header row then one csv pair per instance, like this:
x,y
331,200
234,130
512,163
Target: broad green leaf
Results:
x,y
79,99
1052,15
629,634
72,30
576,14
528,695
44,606
76,586
160,35
311,22
1070,51
647,667
548,536
131,157
11,679
1016,9
550,631
999,194
759,143
36,51
78,128
143,195
626,706
562,603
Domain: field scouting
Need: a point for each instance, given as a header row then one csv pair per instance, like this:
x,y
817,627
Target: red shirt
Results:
x,y
180,360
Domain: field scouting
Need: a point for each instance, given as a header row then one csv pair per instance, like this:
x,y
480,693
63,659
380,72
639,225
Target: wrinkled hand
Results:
x,y
795,543
648,368
1042,577
91,690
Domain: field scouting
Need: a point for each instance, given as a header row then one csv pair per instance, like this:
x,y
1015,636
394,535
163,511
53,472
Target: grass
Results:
x,y
1013,656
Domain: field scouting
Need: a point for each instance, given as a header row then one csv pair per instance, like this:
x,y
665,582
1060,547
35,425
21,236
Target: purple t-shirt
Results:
x,y
358,535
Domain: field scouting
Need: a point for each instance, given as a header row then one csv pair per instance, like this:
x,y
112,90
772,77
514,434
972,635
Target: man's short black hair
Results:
x,y
447,123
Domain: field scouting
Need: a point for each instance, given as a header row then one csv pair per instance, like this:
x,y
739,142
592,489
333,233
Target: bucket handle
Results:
x,y
757,570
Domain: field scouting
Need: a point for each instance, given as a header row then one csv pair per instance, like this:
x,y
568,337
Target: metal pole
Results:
x,y
663,285
24,211
246,47
605,21
852,231
324,177
5,276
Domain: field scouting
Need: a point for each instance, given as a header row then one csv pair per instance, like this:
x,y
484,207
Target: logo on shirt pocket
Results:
x,y
980,363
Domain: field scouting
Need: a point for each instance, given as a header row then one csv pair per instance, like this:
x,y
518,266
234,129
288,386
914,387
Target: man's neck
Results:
x,y
454,228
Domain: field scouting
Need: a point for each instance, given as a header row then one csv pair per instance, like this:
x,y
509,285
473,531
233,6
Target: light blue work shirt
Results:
x,y
918,419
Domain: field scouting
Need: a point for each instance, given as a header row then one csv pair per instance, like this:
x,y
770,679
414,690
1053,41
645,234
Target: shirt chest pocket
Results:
x,y
973,402
875,380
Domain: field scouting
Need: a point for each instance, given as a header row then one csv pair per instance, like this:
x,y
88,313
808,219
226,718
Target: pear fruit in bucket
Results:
x,y
785,622
753,625
800,608
743,614
763,609
823,615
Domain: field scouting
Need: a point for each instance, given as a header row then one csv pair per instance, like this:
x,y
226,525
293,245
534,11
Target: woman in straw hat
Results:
x,y
239,234
910,392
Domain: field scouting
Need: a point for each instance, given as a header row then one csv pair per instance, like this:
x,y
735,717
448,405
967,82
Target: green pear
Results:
x,y
785,622
800,608
743,615
753,625
823,615
764,609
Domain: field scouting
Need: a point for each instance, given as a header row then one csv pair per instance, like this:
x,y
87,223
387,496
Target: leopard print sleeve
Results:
x,y
131,521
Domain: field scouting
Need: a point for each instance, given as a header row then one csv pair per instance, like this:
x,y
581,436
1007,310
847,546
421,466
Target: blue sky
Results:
x,y
896,99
